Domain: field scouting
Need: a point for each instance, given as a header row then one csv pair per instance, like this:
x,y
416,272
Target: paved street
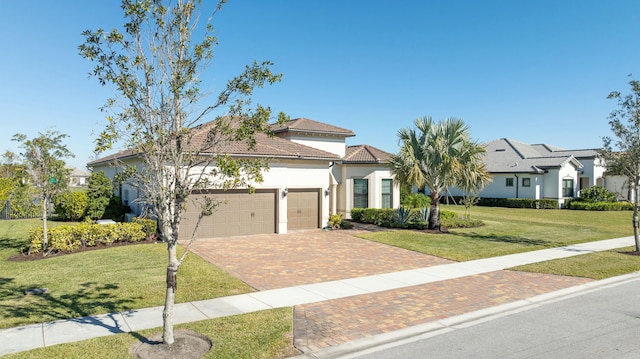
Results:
x,y
604,323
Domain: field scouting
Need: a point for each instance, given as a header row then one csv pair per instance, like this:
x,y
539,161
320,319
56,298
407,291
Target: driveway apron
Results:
x,y
284,260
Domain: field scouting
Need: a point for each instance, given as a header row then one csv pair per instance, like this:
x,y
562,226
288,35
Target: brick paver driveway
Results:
x,y
305,257
284,260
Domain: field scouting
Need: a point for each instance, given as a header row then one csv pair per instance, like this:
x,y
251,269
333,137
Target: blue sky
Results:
x,y
534,71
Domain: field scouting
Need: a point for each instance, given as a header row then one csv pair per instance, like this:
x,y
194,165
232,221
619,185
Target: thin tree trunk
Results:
x,y
636,235
45,238
172,285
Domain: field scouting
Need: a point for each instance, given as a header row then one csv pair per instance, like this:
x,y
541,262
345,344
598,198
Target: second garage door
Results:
x,y
239,213
303,208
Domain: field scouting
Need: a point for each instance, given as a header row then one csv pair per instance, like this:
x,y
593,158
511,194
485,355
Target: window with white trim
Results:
x,y
387,193
360,193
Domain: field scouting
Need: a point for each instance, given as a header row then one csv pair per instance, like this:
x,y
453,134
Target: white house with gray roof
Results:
x,y
312,174
521,170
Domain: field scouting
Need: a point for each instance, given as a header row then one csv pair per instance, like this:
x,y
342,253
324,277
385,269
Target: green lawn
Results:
x,y
265,334
594,265
97,282
509,230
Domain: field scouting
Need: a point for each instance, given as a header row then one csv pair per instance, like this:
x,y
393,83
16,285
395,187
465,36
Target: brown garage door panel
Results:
x,y
239,213
303,208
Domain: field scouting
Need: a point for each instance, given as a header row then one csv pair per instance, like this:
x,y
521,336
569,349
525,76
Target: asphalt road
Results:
x,y
601,324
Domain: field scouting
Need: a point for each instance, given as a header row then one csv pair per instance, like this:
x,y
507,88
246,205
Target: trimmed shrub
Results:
x,y
335,220
115,210
70,238
388,218
71,206
597,194
149,226
519,203
99,192
600,206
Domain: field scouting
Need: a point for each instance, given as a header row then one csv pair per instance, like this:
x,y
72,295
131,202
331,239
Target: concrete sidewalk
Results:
x,y
63,331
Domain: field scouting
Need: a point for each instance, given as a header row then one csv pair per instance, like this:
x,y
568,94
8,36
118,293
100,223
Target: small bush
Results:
x,y
115,210
149,226
335,221
597,194
346,225
71,206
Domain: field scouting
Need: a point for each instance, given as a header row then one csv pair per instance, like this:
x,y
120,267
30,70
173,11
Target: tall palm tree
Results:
x,y
433,155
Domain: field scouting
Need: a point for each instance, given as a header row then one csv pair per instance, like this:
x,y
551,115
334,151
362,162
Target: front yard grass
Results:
x,y
265,334
598,265
97,282
510,230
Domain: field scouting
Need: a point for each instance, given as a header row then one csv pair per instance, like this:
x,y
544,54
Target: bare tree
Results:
x,y
622,153
160,114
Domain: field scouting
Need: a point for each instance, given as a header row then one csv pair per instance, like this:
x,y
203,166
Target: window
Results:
x,y
509,182
526,182
567,187
387,193
360,193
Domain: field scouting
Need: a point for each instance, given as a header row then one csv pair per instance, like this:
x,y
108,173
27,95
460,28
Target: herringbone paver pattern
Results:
x,y
323,324
284,260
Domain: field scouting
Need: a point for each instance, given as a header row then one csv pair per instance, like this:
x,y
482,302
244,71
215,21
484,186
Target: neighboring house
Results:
x,y
521,170
312,174
79,178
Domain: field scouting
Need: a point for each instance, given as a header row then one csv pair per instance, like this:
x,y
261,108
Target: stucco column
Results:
x,y
333,198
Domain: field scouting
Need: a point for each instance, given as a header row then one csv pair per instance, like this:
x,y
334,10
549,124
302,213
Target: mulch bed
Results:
x,y
25,256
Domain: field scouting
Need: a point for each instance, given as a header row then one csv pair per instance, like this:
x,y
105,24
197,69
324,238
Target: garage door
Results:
x,y
303,209
239,213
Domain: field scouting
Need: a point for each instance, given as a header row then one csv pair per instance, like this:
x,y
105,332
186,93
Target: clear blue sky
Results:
x,y
534,71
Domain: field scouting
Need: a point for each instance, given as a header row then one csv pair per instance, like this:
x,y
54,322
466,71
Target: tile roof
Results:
x,y
306,125
507,155
265,146
365,154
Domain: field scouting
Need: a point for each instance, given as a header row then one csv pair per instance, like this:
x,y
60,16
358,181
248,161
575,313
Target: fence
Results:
x,y
7,213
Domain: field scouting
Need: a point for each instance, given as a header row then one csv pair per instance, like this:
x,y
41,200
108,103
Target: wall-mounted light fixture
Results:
x,y
285,191
326,192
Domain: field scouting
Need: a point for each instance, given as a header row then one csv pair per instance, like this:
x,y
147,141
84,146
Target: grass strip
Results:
x,y
264,334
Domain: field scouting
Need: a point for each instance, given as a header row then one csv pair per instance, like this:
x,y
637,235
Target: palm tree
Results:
x,y
472,175
435,155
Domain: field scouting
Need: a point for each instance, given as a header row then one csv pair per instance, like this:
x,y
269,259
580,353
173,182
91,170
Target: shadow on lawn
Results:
x,y
12,243
79,307
511,239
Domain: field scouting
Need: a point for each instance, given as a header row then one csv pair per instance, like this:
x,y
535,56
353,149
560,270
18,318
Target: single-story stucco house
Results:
x,y
312,174
539,171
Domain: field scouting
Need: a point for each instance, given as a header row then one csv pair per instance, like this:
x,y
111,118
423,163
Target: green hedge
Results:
x,y
599,206
386,217
70,238
519,203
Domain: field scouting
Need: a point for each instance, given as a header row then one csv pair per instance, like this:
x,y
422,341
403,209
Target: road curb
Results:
x,y
431,329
